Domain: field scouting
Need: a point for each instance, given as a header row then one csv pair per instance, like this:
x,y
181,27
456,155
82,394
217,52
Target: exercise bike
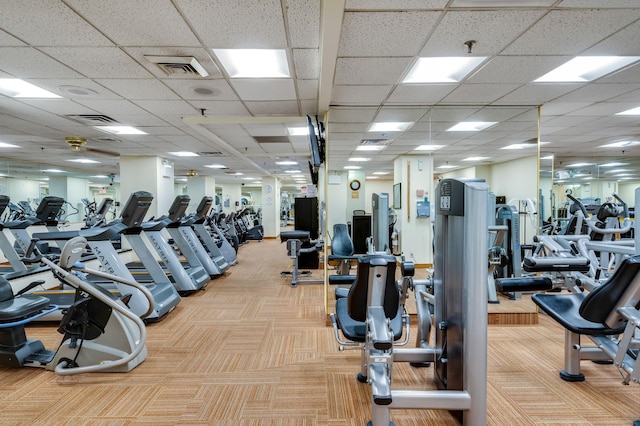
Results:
x,y
100,333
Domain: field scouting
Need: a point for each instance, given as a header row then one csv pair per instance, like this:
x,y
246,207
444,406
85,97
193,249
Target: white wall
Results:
x,y
626,191
20,189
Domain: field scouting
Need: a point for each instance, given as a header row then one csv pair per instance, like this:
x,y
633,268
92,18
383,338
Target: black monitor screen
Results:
x,y
104,207
4,202
49,208
315,147
136,208
204,206
179,206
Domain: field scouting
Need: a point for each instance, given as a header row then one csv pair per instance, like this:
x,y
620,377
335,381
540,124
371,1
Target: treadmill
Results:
x,y
99,239
196,221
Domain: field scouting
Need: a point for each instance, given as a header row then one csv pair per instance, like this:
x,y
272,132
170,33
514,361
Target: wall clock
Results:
x,y
354,185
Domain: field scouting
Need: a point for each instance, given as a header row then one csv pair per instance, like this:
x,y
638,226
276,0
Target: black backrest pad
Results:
x,y
341,243
357,298
621,289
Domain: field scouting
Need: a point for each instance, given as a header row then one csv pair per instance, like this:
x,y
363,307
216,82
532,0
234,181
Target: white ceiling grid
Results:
x,y
101,46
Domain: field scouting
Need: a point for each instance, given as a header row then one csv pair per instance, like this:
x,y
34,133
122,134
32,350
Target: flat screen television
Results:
x,y
316,159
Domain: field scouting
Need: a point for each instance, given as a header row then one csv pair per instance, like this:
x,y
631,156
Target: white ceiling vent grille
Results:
x,y
271,139
211,154
181,65
374,142
92,119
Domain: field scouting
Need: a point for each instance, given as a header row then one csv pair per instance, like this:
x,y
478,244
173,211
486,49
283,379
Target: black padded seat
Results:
x,y
355,330
15,309
530,264
295,235
595,313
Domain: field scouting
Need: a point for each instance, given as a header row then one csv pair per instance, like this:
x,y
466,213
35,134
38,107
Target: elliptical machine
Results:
x,y
100,332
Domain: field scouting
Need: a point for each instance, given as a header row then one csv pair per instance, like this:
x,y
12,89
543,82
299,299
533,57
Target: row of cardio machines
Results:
x,y
102,319
207,254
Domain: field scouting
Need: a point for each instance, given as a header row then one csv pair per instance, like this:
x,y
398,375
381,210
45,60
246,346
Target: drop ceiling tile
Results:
x,y
109,107
147,22
27,62
8,40
141,120
161,107
186,89
633,97
598,92
622,43
48,24
303,19
372,71
602,108
492,29
594,4
306,62
516,69
136,88
359,95
387,114
98,62
277,148
395,4
264,89
238,24
478,93
222,108
420,93
561,108
308,106
59,106
537,93
569,32
399,33
273,108
347,127
355,115
308,89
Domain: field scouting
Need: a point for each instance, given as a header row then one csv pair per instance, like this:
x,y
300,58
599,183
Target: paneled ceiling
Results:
x,y
347,58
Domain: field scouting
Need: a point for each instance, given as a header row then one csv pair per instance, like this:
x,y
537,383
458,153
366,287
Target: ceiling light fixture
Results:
x,y
471,126
16,88
381,173
579,164
613,164
370,147
254,63
632,111
184,154
84,161
620,144
475,158
359,159
586,68
442,70
53,171
352,167
428,147
298,131
8,145
390,126
286,163
121,130
446,166
216,166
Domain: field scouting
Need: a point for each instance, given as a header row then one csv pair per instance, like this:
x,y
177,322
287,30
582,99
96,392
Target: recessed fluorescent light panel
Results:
x,y
216,166
620,144
84,161
381,173
16,88
370,147
53,171
428,147
632,111
184,154
446,166
520,146
391,126
613,164
580,164
442,70
8,145
254,63
587,68
121,130
352,167
476,158
298,131
286,163
471,126
359,159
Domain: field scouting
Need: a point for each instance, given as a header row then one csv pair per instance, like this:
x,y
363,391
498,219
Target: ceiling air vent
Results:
x,y
92,119
374,142
271,139
182,65
211,154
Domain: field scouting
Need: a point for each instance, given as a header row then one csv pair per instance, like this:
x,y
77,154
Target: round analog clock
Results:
x,y
354,185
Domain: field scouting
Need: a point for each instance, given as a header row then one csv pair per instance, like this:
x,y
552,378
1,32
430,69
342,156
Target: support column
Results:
x,y
271,206
152,174
231,196
200,186
73,190
415,173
